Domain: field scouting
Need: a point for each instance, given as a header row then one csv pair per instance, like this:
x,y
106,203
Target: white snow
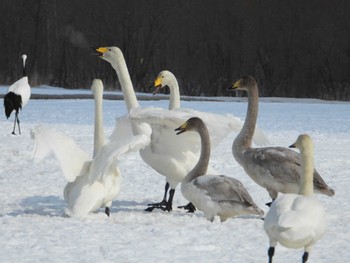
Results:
x,y
34,227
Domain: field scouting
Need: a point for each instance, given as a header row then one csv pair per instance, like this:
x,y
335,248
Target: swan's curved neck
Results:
x,y
203,162
244,138
120,67
174,102
99,138
307,165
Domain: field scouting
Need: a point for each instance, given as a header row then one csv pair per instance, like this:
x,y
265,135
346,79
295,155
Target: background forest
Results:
x,y
293,48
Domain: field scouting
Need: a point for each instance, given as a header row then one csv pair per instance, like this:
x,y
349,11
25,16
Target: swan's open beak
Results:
x,y
99,51
181,129
234,86
157,85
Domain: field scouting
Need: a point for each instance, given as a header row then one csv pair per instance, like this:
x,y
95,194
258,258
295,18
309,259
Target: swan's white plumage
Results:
x,y
92,182
297,220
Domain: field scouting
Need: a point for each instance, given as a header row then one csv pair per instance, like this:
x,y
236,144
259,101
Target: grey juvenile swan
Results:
x,y
214,195
297,220
277,169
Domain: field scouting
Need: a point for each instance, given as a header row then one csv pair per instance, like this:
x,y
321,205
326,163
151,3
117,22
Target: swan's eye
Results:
x,y
162,77
109,49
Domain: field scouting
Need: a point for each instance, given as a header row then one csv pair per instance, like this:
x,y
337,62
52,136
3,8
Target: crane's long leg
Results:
x,y
19,127
14,123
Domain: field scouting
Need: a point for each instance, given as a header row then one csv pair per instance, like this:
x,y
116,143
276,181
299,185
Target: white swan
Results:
x,y
92,183
213,194
17,96
167,154
297,220
166,78
275,168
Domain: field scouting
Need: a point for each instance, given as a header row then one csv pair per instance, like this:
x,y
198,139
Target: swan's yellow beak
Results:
x,y
181,129
235,85
157,85
100,50
158,82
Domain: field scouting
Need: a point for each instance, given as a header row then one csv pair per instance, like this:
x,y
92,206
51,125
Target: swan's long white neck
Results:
x,y
203,162
99,137
120,67
244,138
307,165
174,102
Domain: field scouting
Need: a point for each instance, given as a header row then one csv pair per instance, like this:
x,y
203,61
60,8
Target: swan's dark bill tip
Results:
x,y
179,130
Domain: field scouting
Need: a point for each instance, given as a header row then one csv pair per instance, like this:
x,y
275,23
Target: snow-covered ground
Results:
x,y
34,227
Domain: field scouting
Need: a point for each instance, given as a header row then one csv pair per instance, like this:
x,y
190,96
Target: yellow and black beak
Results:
x,y
181,129
157,85
235,85
99,51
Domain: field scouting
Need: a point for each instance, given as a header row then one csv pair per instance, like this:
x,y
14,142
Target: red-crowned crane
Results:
x,y
17,96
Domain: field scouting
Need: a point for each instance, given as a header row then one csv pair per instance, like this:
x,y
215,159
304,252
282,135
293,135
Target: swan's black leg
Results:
x,y
107,211
305,257
161,204
270,252
189,207
169,205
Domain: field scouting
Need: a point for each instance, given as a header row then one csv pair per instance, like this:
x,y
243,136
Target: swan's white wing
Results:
x,y
220,126
122,129
107,158
69,155
163,124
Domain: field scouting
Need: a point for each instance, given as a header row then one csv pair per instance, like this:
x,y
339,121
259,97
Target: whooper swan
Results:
x,y
297,220
277,169
92,183
214,194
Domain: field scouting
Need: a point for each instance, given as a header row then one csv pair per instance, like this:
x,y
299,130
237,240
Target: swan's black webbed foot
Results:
x,y
189,207
161,205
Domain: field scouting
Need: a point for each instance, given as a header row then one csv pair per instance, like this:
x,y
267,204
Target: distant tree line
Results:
x,y
293,48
